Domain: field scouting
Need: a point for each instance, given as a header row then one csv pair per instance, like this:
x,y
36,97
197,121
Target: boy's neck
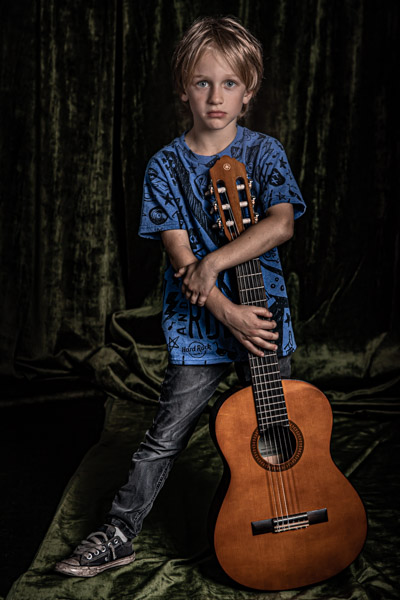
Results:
x,y
209,143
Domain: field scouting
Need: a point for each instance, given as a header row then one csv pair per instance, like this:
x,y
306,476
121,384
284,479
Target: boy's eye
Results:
x,y
230,83
202,84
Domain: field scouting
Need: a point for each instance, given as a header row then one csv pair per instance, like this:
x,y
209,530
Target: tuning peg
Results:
x,y
250,182
214,208
256,217
210,191
217,225
253,200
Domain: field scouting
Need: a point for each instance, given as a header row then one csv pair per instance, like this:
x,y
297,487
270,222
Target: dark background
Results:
x,y
86,99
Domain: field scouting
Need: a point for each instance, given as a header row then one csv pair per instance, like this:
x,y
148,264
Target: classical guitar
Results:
x,y
284,516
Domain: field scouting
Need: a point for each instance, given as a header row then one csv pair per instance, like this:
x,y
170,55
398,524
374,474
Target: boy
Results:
x,y
218,70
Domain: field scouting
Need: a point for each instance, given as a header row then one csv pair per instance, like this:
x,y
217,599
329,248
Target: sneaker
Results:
x,y
101,550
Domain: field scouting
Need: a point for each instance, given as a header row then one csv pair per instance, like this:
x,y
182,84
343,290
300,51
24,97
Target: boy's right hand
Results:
x,y
198,279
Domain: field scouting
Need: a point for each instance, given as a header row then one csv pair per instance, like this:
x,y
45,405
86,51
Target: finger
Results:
x,y
269,331
261,342
265,324
267,335
180,272
262,312
202,299
252,348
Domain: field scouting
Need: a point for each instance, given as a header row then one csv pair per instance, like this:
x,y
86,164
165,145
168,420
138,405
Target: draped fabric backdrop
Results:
x,y
87,98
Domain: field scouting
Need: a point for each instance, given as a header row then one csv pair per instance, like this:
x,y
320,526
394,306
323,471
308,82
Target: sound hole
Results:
x,y
277,445
279,448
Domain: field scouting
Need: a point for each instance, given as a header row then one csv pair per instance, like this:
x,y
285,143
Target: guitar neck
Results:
x,y
265,374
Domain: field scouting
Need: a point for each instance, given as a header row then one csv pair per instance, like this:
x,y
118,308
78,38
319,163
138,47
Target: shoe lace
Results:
x,y
94,544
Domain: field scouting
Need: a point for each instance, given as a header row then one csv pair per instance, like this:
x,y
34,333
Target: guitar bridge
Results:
x,y
290,522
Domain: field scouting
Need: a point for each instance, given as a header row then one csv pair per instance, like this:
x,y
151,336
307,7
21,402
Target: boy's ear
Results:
x,y
247,97
184,97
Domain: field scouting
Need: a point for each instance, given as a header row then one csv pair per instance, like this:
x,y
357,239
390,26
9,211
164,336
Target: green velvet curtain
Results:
x,y
87,98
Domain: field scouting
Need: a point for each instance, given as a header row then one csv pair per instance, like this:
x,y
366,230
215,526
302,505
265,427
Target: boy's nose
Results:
x,y
215,96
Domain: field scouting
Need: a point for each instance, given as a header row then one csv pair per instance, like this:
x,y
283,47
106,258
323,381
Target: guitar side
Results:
x,y
253,492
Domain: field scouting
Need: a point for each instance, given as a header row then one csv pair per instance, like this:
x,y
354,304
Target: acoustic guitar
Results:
x,y
284,516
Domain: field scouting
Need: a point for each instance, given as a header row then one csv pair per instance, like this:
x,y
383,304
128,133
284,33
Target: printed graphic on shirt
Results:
x,y
174,198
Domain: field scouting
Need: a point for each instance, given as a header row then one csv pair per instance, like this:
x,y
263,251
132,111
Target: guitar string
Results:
x,y
274,372
275,475
277,486
268,374
252,268
259,366
281,432
274,484
234,232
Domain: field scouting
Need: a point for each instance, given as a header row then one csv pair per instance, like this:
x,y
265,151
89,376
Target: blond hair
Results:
x,y
241,50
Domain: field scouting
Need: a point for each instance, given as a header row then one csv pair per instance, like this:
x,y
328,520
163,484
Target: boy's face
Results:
x,y
215,93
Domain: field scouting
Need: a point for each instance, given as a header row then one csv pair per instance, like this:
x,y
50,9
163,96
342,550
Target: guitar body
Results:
x,y
256,491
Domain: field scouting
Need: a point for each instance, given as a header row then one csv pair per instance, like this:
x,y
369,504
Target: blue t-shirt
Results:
x,y
174,198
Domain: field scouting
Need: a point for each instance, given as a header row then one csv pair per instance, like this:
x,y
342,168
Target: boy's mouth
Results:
x,y
216,114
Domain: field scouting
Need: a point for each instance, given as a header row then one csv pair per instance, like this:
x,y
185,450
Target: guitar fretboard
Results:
x,y
265,374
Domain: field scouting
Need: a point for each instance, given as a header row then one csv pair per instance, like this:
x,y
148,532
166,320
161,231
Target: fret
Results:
x,y
250,286
266,411
259,397
266,416
275,422
251,289
262,366
265,407
263,396
265,374
269,399
267,385
263,370
249,273
264,380
273,419
260,303
267,369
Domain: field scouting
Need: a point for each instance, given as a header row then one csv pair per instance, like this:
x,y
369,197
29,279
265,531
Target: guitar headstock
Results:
x,y
231,190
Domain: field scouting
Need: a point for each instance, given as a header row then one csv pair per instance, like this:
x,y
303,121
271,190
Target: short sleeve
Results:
x,y
160,206
278,183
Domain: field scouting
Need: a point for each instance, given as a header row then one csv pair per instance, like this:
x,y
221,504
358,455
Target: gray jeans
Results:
x,y
185,393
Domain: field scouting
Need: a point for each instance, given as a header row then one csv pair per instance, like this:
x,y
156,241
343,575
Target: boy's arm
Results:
x,y
198,277
247,323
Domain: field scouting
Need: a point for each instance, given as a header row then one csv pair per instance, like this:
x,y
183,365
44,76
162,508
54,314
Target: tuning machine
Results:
x,y
218,224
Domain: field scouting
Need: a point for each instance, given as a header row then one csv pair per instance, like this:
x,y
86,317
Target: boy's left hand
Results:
x,y
198,279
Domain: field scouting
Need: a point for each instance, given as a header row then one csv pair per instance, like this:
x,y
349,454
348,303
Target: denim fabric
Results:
x,y
185,393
